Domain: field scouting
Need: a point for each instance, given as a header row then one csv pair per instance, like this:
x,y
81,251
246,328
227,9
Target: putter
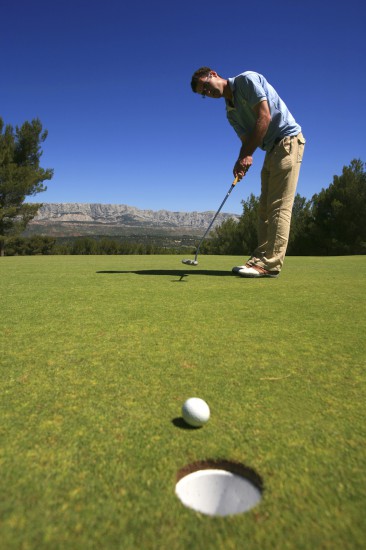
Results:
x,y
194,262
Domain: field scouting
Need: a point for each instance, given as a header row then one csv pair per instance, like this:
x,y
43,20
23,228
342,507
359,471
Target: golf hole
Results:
x,y
219,487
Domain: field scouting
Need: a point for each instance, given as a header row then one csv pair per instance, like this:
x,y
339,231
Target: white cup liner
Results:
x,y
217,492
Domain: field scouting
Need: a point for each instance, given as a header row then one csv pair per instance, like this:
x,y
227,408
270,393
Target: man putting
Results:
x,y
261,119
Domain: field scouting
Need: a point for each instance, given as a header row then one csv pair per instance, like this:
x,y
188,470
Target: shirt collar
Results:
x,y
230,106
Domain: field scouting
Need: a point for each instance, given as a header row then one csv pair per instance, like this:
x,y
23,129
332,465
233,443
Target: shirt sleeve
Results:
x,y
249,87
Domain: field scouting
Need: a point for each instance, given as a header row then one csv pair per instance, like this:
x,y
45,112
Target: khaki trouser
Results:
x,y
279,177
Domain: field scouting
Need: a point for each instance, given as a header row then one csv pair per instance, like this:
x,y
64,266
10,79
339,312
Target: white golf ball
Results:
x,y
195,412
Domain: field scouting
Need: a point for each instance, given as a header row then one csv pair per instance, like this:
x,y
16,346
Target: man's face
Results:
x,y
211,86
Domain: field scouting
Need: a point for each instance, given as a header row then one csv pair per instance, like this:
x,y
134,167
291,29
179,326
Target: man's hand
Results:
x,y
242,166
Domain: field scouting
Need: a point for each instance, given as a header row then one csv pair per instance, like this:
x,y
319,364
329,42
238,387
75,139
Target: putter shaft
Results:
x,y
195,262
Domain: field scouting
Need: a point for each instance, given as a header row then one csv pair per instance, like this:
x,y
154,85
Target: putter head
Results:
x,y
190,262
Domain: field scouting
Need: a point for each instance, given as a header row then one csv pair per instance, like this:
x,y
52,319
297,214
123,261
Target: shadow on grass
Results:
x,y
180,423
173,272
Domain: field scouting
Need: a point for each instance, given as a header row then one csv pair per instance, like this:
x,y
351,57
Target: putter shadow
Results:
x,y
171,272
181,280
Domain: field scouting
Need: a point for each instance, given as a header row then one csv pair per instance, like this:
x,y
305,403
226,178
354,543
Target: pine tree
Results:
x,y
339,212
20,176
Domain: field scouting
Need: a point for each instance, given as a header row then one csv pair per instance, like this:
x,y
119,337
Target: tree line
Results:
x,y
43,245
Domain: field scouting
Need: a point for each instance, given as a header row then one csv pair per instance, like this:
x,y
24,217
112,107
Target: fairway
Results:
x,y
98,354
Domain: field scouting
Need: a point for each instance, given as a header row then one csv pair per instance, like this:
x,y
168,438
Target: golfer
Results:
x,y
261,119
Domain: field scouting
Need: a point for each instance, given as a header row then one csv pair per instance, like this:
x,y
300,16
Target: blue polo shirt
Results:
x,y
248,89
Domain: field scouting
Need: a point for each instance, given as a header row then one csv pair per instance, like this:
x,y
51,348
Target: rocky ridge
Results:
x,y
103,217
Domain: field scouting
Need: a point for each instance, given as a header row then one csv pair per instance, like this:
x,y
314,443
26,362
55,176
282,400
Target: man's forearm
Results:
x,y
255,139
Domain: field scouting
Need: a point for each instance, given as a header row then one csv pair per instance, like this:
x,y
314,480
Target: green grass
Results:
x,y
97,356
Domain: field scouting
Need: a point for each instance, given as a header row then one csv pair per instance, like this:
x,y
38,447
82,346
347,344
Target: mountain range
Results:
x,y
79,219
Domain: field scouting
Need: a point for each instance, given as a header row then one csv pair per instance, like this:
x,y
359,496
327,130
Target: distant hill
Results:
x,y
79,219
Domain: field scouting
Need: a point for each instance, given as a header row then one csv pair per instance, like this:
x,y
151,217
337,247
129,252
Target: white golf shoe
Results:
x,y
237,268
255,271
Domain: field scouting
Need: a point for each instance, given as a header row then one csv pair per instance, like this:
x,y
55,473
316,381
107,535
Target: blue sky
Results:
x,y
110,81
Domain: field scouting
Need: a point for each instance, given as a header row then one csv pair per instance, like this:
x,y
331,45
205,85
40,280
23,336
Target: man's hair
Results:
x,y
202,72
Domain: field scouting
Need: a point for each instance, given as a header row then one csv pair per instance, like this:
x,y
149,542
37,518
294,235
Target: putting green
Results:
x,y
98,354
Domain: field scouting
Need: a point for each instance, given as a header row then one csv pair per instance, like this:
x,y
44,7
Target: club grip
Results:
x,y
235,181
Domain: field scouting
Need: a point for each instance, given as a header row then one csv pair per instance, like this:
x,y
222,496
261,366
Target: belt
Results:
x,y
277,140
